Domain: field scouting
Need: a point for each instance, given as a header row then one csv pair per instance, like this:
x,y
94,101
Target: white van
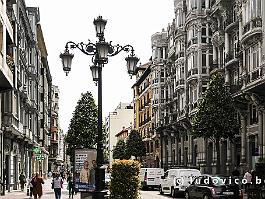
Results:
x,y
177,180
150,177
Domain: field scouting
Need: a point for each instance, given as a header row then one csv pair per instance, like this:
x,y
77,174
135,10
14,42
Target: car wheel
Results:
x,y
161,191
187,195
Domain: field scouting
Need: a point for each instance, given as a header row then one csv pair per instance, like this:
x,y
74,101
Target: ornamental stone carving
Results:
x,y
218,38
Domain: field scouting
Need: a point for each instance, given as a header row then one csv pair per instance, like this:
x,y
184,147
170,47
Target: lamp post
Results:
x,y
100,51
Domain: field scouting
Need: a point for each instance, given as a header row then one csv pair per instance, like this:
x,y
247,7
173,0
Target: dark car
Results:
x,y
213,187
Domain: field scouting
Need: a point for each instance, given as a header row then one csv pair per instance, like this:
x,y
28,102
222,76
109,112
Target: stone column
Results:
x,y
177,150
207,4
263,133
169,149
227,47
260,135
182,148
243,117
190,149
215,61
164,148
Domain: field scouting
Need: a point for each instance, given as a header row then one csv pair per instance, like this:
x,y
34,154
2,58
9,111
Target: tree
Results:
x,y
134,145
83,125
216,117
119,151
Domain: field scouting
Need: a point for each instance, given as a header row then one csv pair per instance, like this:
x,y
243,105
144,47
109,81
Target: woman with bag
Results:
x,y
57,185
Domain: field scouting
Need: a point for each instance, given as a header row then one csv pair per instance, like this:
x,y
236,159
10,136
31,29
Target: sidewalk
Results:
x,y
48,192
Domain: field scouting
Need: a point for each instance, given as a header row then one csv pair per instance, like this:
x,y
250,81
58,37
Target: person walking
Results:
x,y
37,182
30,186
57,184
70,181
22,181
248,178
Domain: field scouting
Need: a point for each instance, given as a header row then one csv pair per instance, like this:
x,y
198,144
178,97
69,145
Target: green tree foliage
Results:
x,y
125,181
216,117
134,145
119,151
83,125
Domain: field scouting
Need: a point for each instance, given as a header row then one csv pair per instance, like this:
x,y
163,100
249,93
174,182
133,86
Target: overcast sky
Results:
x,y
128,22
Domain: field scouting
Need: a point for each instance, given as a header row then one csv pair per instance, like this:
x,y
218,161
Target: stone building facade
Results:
x,y
205,36
25,84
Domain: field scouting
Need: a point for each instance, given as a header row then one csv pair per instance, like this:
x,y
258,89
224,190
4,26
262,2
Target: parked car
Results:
x,y
175,181
214,187
150,177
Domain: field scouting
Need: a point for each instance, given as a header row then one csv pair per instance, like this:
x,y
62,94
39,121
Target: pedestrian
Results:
x,y
30,186
22,181
70,181
37,182
247,181
57,185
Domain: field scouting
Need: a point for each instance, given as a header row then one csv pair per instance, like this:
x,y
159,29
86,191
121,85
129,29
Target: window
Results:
x,y
203,3
193,94
203,58
251,10
253,114
255,56
252,57
192,61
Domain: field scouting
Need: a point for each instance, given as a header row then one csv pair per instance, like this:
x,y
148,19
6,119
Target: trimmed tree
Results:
x,y
125,181
83,125
119,151
216,117
135,145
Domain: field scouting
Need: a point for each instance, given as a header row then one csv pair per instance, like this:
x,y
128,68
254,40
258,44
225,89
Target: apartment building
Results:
x,y
143,114
25,97
208,36
121,117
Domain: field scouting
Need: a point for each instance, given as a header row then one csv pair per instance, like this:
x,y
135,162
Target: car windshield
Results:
x,y
217,181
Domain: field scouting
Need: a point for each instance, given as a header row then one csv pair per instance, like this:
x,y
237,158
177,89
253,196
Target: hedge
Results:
x,y
125,181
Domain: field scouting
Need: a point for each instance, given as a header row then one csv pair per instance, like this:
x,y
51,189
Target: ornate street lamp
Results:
x,y
100,51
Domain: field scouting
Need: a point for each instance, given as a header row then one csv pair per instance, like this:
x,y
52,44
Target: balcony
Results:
x,y
192,72
24,92
54,140
6,75
230,58
230,23
193,41
180,55
54,129
251,29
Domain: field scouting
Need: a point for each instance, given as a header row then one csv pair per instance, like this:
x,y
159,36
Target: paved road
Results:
x,y
154,195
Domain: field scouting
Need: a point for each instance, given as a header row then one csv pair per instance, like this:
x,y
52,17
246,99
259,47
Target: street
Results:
x,y
49,194
154,195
